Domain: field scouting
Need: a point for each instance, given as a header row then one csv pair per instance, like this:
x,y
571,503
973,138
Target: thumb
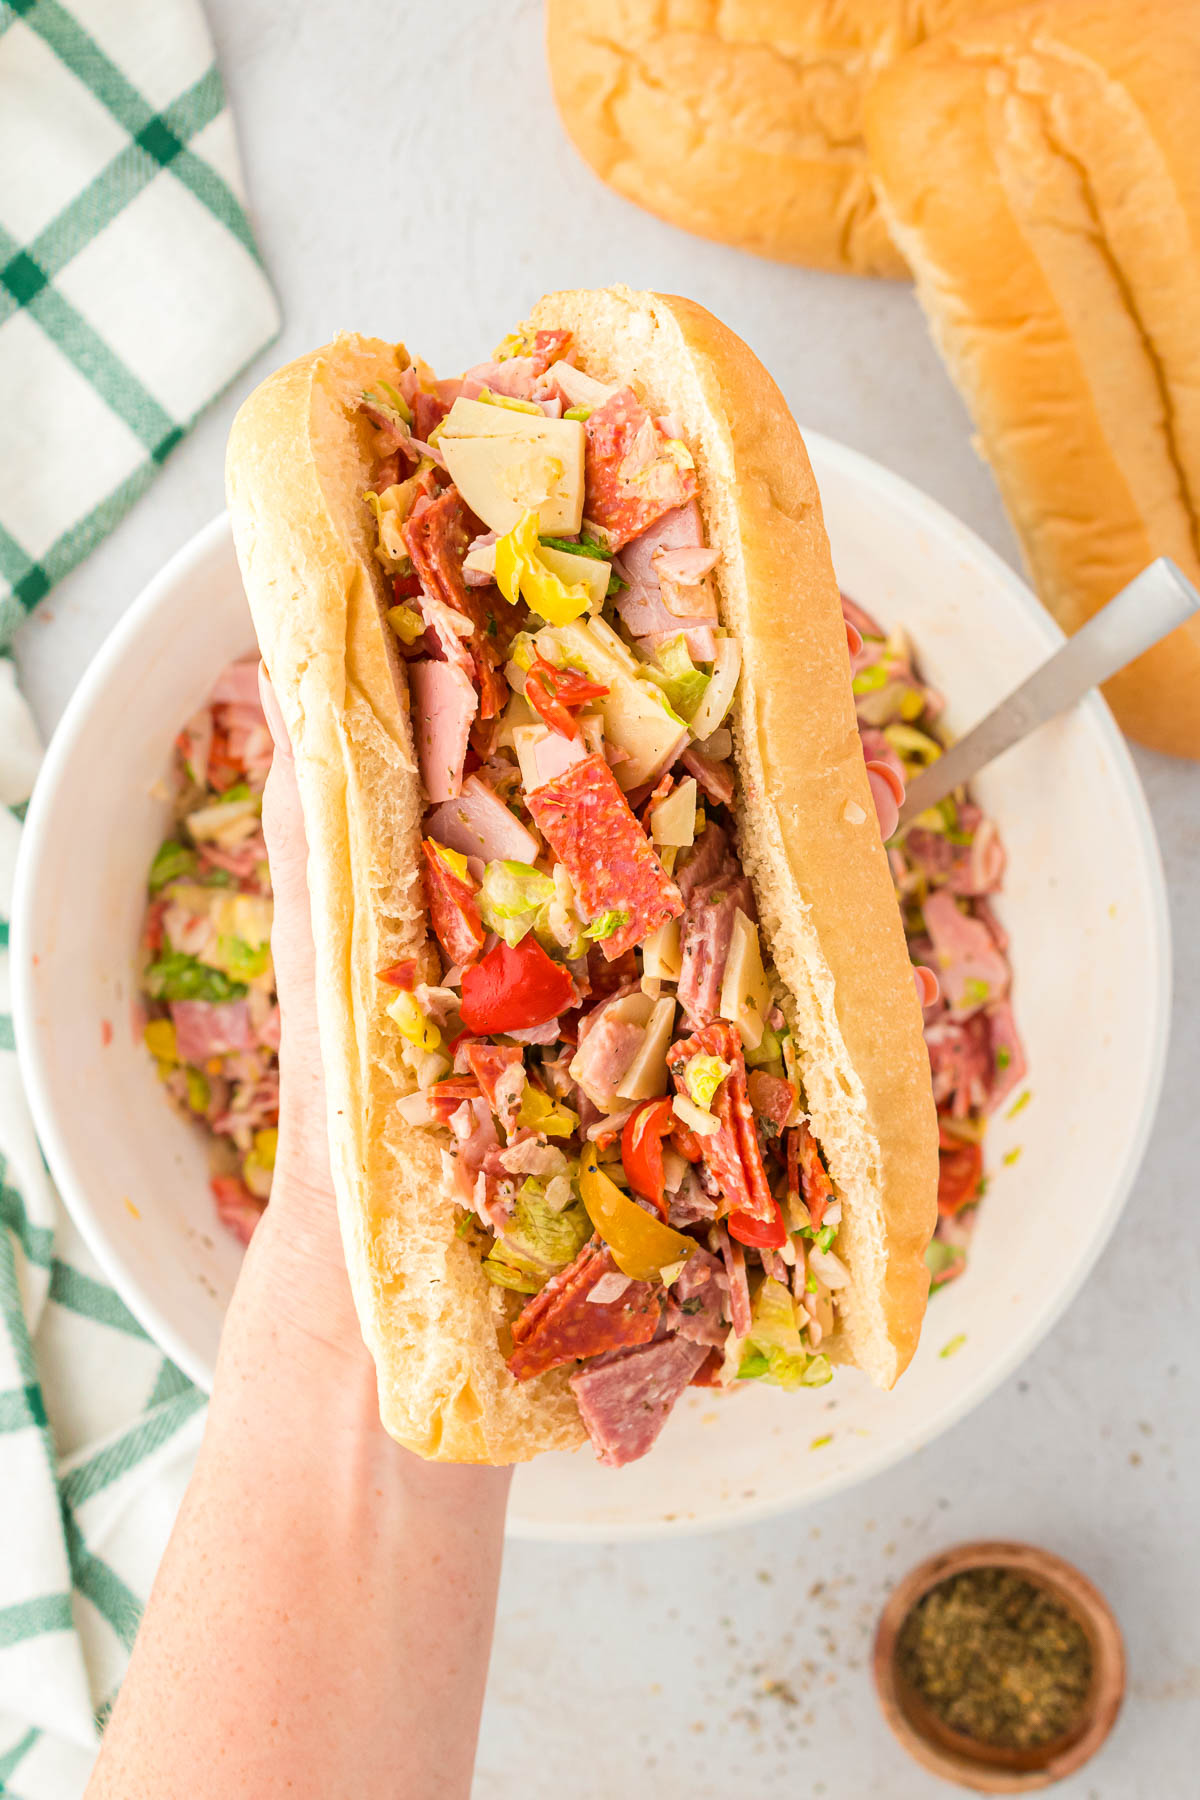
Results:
x,y
301,1077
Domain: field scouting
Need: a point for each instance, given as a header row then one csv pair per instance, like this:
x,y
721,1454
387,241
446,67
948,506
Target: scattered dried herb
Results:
x,y
997,1658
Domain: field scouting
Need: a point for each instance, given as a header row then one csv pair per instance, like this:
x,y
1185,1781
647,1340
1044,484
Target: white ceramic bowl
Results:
x,y
1083,900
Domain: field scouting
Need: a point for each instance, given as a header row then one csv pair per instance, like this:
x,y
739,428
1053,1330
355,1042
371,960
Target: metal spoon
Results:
x,y
1153,604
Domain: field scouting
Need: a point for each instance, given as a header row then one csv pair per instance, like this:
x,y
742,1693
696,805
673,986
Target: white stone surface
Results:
x,y
408,176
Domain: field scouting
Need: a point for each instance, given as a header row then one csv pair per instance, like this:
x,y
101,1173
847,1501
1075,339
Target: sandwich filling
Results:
x,y
603,1045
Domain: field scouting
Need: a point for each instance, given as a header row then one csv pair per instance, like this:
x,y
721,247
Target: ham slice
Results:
x,y
477,823
709,854
715,778
237,685
205,1028
444,708
704,938
624,1403
1009,1067
654,611
971,970
696,1305
606,1049
739,1288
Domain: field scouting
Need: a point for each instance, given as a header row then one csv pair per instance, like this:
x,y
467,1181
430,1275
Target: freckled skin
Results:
x,y
322,1618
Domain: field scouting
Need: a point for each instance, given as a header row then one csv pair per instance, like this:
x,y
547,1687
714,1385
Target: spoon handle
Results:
x,y
1153,604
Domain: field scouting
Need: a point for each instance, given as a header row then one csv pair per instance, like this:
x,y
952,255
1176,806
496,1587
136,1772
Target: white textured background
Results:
x,y
407,176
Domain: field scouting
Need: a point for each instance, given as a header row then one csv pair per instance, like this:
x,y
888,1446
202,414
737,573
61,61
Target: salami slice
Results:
x,y
452,909
626,1402
436,539
631,476
562,1325
584,815
731,1153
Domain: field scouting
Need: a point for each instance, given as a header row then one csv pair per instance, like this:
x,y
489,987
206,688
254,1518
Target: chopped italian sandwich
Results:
x,y
627,1085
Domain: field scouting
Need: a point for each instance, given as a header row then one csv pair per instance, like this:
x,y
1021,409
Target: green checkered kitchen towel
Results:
x,y
131,291
131,294
98,1431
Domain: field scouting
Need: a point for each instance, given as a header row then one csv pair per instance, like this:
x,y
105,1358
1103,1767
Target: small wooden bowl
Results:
x,y
959,1758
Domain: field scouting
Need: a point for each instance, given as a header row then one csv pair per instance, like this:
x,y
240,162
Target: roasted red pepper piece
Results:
x,y
551,692
642,1150
513,988
960,1172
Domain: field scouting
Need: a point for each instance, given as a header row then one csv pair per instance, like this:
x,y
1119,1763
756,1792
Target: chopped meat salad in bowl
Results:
x,y
947,864
208,987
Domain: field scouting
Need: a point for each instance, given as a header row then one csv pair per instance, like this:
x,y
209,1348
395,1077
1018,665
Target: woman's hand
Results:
x,y
294,1267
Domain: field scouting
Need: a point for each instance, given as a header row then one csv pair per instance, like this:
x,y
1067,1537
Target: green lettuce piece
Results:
x,y
177,976
680,680
506,1274
510,897
243,961
540,1236
778,1369
940,1258
606,926
769,1051
773,1320
172,862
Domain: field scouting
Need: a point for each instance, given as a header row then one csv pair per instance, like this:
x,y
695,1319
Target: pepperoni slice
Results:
x,y
562,1325
586,818
631,478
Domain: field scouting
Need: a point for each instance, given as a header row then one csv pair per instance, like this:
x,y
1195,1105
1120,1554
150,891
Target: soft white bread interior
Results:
x,y
740,119
1041,172
298,463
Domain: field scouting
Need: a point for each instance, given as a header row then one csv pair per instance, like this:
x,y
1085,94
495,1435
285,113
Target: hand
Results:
x,y
296,1251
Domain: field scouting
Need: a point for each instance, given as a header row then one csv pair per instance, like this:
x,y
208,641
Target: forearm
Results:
x,y
322,1619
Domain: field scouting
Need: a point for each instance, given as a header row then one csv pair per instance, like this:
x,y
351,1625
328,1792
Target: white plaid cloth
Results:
x,y
131,290
98,1431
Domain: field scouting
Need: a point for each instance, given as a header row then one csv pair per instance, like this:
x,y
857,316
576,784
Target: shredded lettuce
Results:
x,y
510,897
509,1275
768,1052
542,1235
241,960
778,1369
173,861
680,680
606,926
702,1076
393,405
774,1351
177,976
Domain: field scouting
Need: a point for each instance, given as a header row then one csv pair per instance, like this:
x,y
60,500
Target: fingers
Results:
x,y
302,1092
